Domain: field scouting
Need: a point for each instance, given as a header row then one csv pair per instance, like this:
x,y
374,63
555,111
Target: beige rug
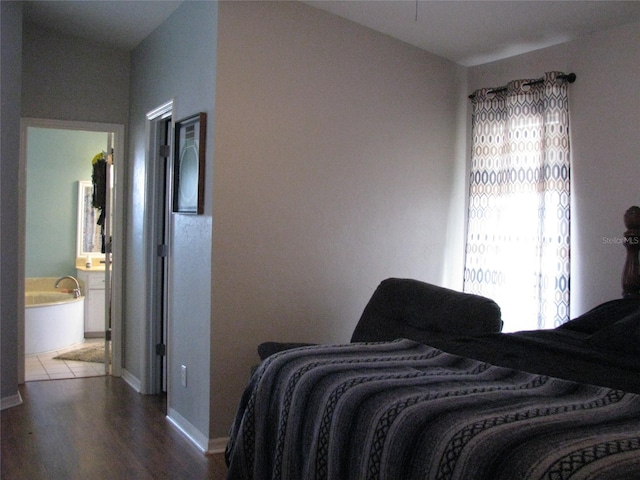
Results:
x,y
90,353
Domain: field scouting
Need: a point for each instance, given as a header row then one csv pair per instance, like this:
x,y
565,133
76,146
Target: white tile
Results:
x,y
51,361
48,357
44,367
92,373
75,364
97,365
35,371
79,370
33,364
56,368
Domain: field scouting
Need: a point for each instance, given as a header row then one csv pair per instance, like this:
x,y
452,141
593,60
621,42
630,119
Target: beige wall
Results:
x,y
605,121
335,150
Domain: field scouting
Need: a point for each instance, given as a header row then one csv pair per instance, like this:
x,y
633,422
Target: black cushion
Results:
x,y
603,315
406,308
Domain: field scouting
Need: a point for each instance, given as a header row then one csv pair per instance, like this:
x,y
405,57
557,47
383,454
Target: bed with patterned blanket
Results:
x,y
406,410
429,388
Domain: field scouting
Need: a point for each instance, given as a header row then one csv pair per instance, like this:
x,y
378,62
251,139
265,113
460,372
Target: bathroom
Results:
x,y
58,172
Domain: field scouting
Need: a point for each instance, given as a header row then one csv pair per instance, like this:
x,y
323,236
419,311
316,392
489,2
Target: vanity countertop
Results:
x,y
96,268
97,264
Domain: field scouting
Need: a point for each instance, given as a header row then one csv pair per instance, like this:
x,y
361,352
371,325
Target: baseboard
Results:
x,y
217,445
210,446
132,380
10,401
188,430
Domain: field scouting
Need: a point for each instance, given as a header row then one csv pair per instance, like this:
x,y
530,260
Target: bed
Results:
x,y
431,398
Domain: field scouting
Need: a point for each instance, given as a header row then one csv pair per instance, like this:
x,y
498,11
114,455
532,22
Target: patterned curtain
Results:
x,y
517,250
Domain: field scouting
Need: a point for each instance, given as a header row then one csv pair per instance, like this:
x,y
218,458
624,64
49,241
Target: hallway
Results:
x,y
97,428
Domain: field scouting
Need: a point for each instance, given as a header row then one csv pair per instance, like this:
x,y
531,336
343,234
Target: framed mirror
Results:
x,y
89,240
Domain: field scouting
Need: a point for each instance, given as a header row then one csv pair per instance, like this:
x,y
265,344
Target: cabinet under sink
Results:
x,y
94,302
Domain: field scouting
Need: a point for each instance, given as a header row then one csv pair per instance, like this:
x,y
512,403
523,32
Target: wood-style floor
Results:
x,y
97,429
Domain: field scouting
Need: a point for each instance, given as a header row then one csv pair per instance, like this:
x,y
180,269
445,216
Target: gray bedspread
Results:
x,y
404,410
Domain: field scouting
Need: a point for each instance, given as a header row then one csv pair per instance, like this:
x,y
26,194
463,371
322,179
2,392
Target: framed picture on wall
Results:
x,y
188,164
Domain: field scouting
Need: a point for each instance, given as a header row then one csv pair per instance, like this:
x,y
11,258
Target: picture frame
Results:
x,y
89,237
189,164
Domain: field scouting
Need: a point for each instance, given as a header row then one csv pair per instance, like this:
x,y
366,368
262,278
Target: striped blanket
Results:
x,y
403,410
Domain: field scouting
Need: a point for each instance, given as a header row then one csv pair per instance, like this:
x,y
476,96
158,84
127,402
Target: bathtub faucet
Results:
x,y
76,291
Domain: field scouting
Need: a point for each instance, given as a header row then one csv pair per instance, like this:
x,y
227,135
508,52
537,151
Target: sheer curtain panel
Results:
x,y
517,250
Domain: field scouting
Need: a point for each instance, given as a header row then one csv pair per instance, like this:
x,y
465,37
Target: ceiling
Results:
x,y
466,32
477,32
118,23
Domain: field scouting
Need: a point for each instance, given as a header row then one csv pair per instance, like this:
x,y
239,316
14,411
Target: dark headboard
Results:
x,y
631,271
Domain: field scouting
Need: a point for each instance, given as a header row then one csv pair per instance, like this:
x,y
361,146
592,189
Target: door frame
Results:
x,y
155,380
117,279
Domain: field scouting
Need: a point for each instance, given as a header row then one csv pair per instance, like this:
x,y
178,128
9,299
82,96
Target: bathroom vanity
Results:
x,y
90,262
93,281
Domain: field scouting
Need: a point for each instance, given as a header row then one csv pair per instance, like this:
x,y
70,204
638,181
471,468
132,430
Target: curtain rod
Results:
x,y
569,77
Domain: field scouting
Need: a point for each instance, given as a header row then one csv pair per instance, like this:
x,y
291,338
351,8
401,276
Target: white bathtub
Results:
x,y
52,319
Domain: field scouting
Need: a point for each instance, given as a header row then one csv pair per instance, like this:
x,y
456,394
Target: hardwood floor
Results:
x,y
97,428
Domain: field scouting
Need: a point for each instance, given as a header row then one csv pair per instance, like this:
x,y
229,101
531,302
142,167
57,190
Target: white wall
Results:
x,y
605,121
334,169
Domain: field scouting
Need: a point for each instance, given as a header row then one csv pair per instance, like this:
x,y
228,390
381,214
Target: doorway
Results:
x,y
160,127
49,220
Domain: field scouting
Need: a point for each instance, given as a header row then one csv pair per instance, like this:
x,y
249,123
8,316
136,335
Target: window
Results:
x,y
517,250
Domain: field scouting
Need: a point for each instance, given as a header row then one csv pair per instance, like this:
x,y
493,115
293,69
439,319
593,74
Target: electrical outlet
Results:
x,y
183,375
